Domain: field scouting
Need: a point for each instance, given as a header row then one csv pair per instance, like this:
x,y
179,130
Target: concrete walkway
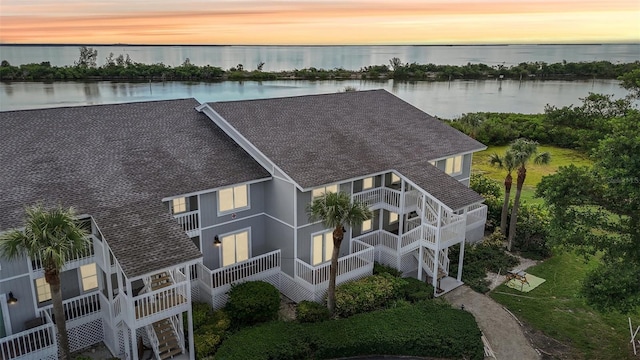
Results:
x,y
502,331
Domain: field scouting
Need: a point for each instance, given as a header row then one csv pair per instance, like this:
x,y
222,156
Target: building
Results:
x,y
183,199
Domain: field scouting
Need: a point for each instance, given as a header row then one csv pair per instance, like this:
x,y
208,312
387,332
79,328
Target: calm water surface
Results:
x,y
327,57
441,99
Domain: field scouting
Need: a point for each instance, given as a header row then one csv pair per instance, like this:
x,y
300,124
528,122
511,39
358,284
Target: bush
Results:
x,y
210,334
253,302
426,329
201,312
533,228
367,294
415,290
310,312
379,269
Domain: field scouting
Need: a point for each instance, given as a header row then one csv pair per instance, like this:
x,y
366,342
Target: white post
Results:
x,y
420,255
401,212
134,344
434,281
192,349
460,261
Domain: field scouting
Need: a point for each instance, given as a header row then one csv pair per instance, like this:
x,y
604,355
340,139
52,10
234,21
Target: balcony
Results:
x,y
37,343
354,266
190,222
87,256
79,309
217,282
476,216
388,199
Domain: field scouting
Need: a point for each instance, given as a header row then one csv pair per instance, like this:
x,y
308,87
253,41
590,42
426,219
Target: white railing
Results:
x,y
318,275
379,238
78,307
379,195
155,305
73,260
118,307
37,343
443,260
410,237
153,340
189,221
476,214
453,231
239,271
178,327
411,199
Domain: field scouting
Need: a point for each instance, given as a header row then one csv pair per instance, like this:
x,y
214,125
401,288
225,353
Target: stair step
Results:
x,y
158,286
168,346
170,354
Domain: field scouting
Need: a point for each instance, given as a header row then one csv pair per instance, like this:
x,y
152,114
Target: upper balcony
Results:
x,y
73,261
190,222
388,199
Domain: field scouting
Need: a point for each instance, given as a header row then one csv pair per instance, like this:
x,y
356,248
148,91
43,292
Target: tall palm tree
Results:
x,y
336,210
523,151
506,162
55,236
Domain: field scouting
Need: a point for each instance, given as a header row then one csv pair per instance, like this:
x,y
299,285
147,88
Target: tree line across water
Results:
x,y
122,68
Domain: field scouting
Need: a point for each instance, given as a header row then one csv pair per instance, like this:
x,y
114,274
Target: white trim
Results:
x,y
211,190
295,223
324,232
235,209
249,243
456,154
14,277
279,220
6,317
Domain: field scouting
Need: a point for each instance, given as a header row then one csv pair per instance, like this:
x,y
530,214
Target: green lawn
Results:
x,y
556,309
559,157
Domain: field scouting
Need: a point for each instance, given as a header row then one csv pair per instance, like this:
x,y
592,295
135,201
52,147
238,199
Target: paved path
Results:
x,y
503,332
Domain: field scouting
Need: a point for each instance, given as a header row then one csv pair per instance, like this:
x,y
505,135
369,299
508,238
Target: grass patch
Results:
x,y
559,157
556,309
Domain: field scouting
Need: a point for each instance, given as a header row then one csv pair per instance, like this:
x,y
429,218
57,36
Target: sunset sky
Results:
x,y
319,22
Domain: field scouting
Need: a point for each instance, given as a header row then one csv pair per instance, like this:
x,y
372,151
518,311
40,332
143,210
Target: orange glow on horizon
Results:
x,y
320,22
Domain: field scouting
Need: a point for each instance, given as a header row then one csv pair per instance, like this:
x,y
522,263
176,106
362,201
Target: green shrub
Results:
x,y
415,290
370,293
253,302
308,311
210,335
427,329
379,269
201,312
478,260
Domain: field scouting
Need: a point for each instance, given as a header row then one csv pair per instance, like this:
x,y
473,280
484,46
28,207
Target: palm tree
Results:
x,y
336,210
54,236
504,162
523,150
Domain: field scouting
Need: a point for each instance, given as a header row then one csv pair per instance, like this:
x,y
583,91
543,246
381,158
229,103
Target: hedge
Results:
x,y
371,293
253,302
425,329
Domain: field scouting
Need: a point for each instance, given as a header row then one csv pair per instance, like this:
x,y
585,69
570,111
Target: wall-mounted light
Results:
x,y
216,241
11,299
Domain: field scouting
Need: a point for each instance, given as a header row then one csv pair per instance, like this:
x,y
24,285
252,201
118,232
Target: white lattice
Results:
x,y
123,339
142,333
294,291
195,290
386,258
85,335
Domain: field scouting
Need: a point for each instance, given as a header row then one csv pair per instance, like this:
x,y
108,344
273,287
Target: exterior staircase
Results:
x,y
164,334
428,259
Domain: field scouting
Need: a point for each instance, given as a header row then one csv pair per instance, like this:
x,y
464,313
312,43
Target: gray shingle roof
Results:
x,y
116,162
321,139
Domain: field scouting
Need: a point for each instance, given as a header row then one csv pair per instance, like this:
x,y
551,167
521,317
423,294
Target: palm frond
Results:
x,y
336,209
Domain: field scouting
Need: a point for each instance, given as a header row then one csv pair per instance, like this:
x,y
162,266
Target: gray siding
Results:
x,y
11,268
304,241
304,198
375,224
357,185
280,236
466,167
278,200
209,206
211,253
22,310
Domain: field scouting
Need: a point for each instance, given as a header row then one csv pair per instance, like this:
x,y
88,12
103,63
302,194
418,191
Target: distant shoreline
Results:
x,y
325,45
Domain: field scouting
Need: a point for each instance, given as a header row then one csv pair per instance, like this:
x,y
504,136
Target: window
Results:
x,y
321,247
89,276
393,217
235,248
323,190
453,165
395,179
43,290
367,183
233,198
179,205
367,225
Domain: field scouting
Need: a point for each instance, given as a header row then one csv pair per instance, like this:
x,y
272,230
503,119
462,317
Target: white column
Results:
x,y
192,349
436,265
460,261
134,345
420,256
401,212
